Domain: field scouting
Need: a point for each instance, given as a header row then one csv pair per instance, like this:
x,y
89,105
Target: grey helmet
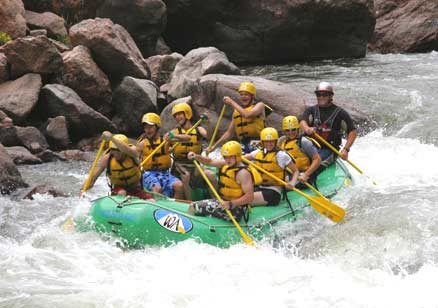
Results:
x,y
324,87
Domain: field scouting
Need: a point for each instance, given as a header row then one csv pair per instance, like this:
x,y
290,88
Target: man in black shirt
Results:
x,y
331,122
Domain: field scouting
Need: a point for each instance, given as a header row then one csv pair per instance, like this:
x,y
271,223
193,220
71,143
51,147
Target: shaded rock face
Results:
x,y
82,74
162,67
284,99
12,19
32,55
133,98
18,97
405,26
112,47
272,31
10,177
83,121
145,20
4,69
72,11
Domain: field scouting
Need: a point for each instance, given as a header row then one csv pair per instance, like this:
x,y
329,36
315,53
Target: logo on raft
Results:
x,y
173,221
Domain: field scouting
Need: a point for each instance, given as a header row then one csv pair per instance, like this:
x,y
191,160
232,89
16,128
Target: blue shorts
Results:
x,y
163,179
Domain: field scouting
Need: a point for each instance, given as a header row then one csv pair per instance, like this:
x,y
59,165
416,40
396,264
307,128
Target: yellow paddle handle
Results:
x,y
221,115
245,237
99,152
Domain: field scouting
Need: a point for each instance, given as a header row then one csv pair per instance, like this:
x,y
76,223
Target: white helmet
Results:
x,y
324,87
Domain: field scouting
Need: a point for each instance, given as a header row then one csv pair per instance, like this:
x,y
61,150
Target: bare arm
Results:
x,y
225,137
351,137
306,128
316,161
101,165
206,160
125,148
258,109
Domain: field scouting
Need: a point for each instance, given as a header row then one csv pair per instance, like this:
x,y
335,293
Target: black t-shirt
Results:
x,y
342,123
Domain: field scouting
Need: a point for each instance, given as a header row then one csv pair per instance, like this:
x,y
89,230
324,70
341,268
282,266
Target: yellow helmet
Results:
x,y
151,119
268,134
182,107
247,87
119,137
231,148
290,122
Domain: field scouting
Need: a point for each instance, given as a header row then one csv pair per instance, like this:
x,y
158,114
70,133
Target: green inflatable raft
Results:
x,y
139,223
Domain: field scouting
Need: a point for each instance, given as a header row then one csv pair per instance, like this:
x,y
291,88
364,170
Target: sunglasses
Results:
x,y
291,130
323,94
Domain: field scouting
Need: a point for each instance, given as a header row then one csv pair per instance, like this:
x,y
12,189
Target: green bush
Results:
x,y
4,38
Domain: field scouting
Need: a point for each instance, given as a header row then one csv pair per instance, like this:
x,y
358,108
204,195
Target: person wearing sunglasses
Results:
x,y
303,149
329,121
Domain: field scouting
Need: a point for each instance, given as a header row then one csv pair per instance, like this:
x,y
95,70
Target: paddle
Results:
x,y
321,205
90,175
203,117
245,237
221,115
339,154
68,224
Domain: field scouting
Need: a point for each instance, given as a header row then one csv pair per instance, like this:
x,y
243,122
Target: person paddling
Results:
x,y
303,150
248,119
236,184
182,143
274,160
121,163
329,121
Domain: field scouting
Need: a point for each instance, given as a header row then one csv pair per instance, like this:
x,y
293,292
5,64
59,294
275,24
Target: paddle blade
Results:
x,y
327,208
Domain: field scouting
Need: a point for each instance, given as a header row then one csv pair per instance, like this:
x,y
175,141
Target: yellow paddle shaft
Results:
x,y
99,152
221,115
245,237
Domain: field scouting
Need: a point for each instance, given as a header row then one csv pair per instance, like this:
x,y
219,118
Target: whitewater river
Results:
x,y
385,253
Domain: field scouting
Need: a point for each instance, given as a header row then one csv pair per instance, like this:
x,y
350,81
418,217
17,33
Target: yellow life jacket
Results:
x,y
193,145
229,189
293,148
248,127
125,173
160,160
268,162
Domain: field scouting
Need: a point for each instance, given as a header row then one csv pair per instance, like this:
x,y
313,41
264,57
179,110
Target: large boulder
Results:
x,y
57,133
405,26
10,177
54,24
162,67
133,98
32,55
21,156
83,121
145,20
112,47
284,99
195,64
12,20
272,31
32,139
82,74
18,97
